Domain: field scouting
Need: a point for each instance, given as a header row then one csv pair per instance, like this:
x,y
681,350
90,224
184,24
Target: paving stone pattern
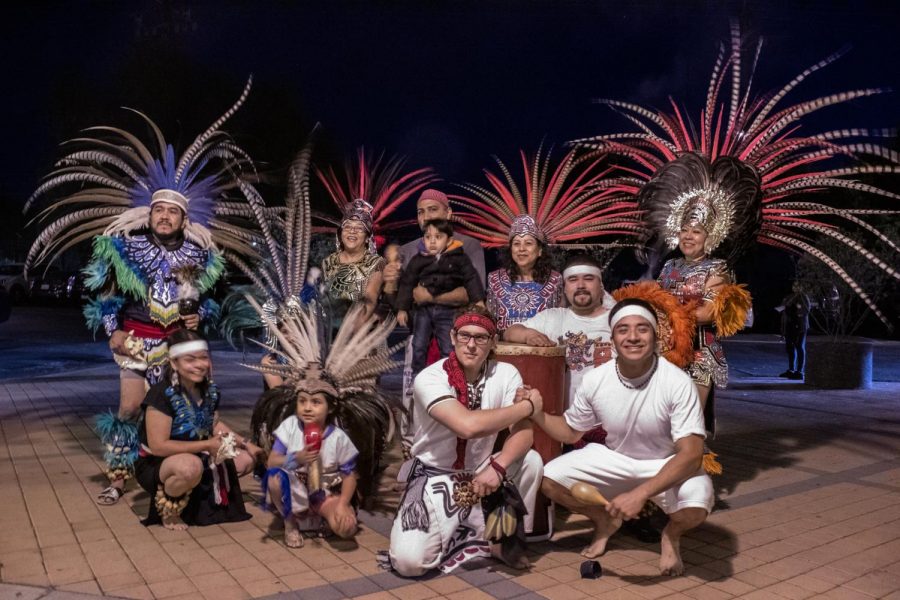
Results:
x,y
809,507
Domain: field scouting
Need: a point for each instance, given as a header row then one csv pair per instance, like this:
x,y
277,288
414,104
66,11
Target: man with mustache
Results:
x,y
583,327
654,447
148,284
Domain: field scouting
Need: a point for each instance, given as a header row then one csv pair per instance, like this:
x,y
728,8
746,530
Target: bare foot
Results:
x,y
603,530
292,536
174,523
670,554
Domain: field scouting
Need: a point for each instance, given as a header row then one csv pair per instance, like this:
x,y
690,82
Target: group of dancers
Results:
x,y
643,362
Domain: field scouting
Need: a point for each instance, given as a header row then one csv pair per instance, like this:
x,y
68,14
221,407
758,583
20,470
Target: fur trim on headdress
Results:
x,y
677,323
731,304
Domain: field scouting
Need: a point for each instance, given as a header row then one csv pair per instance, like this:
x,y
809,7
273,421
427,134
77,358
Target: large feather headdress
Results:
x,y
352,364
380,182
770,171
347,373
110,178
278,276
575,203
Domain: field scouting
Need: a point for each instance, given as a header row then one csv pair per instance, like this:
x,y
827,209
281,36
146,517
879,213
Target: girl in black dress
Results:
x,y
181,435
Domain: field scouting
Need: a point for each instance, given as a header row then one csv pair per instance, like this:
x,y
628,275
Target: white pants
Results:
x,y
415,552
613,474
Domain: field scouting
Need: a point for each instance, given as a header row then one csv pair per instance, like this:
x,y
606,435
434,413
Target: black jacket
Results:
x,y
439,275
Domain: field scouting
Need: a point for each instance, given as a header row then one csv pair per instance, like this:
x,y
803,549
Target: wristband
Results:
x,y
501,471
528,400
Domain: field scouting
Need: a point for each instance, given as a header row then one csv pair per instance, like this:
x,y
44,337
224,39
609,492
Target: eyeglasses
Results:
x,y
354,229
464,338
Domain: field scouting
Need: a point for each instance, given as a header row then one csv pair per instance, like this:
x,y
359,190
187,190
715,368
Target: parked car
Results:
x,y
58,287
12,279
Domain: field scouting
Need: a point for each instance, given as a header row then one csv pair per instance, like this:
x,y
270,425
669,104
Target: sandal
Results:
x,y
110,495
293,538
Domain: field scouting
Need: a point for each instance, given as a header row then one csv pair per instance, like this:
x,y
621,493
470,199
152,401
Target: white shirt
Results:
x,y
586,339
337,453
640,423
434,444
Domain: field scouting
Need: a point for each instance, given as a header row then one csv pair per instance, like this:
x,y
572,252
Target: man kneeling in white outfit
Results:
x,y
463,501
654,446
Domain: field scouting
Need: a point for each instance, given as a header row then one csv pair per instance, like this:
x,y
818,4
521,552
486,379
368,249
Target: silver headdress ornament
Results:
x,y
709,207
112,179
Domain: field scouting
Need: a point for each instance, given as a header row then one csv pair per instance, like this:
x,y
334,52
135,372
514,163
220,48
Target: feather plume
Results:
x,y
677,322
108,176
381,182
731,306
771,163
565,199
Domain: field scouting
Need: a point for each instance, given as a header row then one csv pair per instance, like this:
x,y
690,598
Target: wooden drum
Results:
x,y
543,368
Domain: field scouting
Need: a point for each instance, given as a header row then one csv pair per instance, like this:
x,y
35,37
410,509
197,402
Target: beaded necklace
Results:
x,y
646,378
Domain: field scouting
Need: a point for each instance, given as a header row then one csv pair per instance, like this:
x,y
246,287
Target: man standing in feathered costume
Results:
x,y
158,247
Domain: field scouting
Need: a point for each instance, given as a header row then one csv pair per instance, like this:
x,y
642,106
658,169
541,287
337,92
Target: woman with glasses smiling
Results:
x,y
354,272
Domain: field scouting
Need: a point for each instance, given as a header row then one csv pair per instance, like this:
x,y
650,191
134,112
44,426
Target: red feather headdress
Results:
x,y
380,182
576,203
768,169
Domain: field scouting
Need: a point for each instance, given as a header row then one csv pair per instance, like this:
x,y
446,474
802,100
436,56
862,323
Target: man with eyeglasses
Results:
x,y
583,326
462,500
432,204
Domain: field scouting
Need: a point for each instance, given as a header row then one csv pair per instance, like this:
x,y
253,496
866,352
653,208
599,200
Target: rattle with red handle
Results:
x,y
312,438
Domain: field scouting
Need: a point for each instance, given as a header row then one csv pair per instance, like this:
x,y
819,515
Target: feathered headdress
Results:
x,y
114,178
575,204
347,373
747,163
380,182
278,277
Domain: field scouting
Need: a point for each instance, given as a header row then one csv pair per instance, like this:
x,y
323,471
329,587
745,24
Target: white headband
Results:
x,y
630,310
187,347
170,197
582,270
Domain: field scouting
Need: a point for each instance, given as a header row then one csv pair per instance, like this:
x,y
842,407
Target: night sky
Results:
x,y
448,84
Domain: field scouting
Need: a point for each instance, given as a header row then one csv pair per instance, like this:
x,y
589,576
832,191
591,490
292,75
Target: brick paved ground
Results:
x,y
809,507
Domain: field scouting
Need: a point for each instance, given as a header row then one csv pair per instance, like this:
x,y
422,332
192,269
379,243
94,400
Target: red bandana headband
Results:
x,y
475,319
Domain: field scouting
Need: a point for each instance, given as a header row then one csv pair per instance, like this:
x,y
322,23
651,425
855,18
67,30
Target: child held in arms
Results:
x,y
440,266
312,471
